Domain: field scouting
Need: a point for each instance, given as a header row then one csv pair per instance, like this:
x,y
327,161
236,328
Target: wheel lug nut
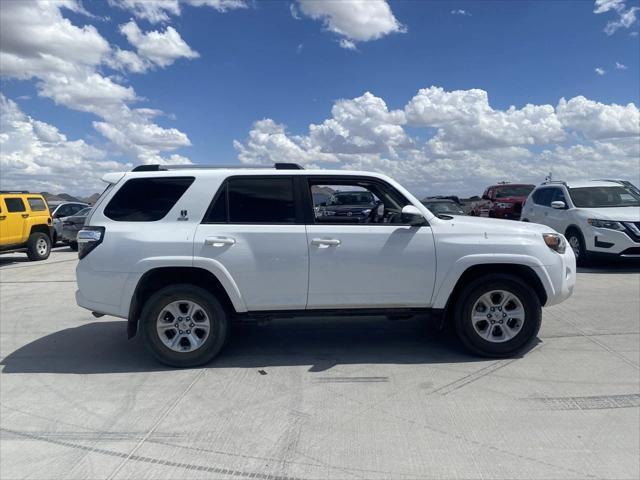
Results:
x,y
499,321
180,332
191,325
492,322
179,319
175,325
188,332
504,314
493,309
489,315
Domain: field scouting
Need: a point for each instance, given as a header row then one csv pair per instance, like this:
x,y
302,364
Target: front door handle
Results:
x,y
2,217
25,215
219,241
326,242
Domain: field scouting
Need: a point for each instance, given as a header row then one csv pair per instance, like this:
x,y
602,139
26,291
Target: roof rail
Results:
x,y
15,191
557,182
161,168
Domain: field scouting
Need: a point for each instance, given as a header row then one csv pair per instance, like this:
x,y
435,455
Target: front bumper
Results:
x,y
561,278
606,242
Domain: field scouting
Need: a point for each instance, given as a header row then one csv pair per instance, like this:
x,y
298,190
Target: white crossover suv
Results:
x,y
598,217
182,252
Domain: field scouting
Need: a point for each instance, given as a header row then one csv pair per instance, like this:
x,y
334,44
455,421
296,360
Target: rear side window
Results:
x,y
36,204
261,200
146,199
14,205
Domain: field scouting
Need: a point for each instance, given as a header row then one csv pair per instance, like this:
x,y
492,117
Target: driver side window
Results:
x,y
350,200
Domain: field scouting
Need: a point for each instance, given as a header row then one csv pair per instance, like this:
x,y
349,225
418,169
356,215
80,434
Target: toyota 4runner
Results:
x,y
181,252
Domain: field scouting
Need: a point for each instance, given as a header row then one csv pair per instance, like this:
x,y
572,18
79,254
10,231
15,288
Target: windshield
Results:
x,y
519,191
444,207
599,197
351,198
84,211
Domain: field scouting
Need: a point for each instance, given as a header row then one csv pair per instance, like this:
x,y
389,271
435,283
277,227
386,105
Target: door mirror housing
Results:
x,y
413,216
558,205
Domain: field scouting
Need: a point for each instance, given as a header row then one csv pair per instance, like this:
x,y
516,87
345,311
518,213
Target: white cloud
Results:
x,y
626,16
347,44
462,12
458,142
35,155
600,71
599,121
158,11
353,20
620,66
65,60
160,48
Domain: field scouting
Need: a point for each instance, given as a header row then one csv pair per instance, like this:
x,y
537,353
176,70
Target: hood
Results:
x,y
496,225
624,214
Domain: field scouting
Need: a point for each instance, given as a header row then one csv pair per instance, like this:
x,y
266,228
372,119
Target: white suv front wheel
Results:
x,y
497,315
184,325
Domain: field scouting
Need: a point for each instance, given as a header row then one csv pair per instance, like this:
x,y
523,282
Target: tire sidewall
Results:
x,y
468,298
582,259
32,250
218,318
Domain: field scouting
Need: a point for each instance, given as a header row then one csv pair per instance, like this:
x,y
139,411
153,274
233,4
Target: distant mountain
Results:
x,y
65,197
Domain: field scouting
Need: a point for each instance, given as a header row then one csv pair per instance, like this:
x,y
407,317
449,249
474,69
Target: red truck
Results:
x,y
504,200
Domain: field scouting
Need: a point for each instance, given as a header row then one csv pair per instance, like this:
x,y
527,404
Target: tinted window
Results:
x,y
599,197
75,208
514,191
14,204
218,211
36,204
146,199
558,196
543,196
84,212
261,200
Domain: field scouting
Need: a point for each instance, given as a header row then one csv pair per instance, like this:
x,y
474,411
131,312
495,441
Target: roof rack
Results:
x,y
15,191
160,168
557,182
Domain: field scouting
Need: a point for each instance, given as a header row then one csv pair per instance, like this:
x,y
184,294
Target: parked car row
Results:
x,y
599,218
28,224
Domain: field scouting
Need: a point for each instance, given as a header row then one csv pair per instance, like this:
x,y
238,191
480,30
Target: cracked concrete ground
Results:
x,y
316,399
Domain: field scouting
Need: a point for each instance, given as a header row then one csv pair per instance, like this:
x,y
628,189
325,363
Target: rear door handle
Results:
x,y
327,242
219,241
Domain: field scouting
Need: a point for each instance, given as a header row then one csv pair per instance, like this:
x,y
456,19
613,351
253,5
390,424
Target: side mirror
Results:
x,y
558,205
412,216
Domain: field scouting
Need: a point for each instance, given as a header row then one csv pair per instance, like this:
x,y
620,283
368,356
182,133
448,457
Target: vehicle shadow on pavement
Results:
x,y
102,347
611,267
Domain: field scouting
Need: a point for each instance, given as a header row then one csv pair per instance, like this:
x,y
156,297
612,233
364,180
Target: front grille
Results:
x,y
632,229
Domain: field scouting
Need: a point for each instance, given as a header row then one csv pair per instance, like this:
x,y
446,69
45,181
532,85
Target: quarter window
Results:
x,y
36,204
260,200
14,205
146,199
218,212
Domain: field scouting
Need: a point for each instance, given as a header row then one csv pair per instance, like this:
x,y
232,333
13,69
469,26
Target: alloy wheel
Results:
x,y
183,326
497,316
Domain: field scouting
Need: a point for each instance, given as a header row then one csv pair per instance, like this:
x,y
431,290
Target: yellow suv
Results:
x,y
25,224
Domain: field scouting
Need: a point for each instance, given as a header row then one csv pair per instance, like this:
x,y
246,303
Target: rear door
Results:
x,y
13,220
255,229
379,262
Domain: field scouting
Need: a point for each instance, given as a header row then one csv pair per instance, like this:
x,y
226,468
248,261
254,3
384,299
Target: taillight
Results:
x,y
89,238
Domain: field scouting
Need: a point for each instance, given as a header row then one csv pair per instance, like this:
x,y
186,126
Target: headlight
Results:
x,y
611,225
555,241
504,205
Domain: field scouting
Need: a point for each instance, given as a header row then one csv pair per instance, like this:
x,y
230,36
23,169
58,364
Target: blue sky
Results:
x,y
260,62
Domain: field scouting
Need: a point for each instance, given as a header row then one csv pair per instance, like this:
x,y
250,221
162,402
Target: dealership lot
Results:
x,y
315,399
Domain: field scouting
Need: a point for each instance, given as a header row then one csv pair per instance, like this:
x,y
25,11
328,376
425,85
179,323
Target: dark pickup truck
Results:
x,y
504,200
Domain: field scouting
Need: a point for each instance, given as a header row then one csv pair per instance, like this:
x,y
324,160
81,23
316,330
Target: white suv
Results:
x,y
181,252
598,217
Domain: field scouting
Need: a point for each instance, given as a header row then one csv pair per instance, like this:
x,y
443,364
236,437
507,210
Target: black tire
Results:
x,y
582,255
38,246
54,241
219,325
478,287
73,246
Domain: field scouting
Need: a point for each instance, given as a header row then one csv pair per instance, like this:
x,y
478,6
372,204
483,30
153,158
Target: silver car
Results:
x,y
60,210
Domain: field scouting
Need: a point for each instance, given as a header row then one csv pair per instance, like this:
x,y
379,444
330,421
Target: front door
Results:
x,y
12,220
371,258
255,229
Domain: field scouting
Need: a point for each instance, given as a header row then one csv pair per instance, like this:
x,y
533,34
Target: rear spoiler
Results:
x,y
114,177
